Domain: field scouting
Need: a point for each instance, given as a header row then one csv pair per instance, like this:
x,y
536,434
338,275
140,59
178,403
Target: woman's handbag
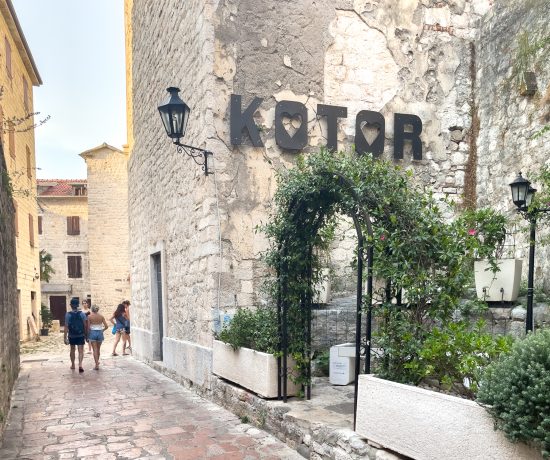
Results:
x,y
114,329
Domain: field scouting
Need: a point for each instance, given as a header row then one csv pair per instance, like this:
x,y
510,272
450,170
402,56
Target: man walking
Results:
x,y
76,328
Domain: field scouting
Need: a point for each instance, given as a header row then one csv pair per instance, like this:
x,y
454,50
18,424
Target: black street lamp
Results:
x,y
522,196
175,115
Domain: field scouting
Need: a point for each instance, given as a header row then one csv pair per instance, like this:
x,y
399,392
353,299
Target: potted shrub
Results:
x,y
498,286
246,352
497,274
516,389
47,319
421,423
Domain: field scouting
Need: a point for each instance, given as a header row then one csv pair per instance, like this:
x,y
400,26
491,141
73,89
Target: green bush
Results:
x,y
517,388
453,353
322,363
46,316
256,329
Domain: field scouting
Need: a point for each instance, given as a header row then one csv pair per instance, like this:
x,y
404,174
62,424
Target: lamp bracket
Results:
x,y
200,156
531,214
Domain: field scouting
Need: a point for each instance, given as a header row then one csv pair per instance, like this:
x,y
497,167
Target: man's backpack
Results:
x,y
75,324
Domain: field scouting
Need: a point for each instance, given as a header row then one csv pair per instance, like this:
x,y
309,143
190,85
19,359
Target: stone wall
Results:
x,y
108,226
412,58
172,206
9,314
55,241
507,120
23,175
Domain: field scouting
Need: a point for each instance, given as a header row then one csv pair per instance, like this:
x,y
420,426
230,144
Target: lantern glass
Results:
x,y
520,188
174,114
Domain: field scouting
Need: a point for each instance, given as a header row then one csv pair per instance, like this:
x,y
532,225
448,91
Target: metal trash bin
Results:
x,y
342,364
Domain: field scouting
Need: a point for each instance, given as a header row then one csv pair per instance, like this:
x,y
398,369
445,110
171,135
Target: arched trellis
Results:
x,y
418,249
310,221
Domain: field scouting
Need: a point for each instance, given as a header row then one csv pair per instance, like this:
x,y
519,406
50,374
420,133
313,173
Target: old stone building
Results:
x,y
9,311
513,41
194,250
108,225
18,75
83,224
63,234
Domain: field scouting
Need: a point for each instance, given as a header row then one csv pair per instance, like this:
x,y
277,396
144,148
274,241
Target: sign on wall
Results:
x,y
407,127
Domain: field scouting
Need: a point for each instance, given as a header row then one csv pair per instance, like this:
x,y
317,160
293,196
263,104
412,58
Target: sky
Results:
x,y
78,48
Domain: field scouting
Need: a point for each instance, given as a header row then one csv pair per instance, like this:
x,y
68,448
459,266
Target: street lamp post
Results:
x,y
175,115
522,196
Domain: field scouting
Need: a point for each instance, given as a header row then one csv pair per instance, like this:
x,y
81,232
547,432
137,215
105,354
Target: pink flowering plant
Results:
x,y
418,249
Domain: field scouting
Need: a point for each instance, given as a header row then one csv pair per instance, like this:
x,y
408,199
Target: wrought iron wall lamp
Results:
x,y
175,115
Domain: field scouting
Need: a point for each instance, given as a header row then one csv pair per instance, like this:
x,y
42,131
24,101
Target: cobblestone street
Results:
x,y
125,410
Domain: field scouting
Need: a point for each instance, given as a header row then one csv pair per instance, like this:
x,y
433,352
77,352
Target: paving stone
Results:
x,y
125,411
92,450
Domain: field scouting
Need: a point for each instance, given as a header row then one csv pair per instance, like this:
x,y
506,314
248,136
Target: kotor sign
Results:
x,y
407,127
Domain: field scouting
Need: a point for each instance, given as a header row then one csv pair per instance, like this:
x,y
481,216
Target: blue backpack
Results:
x,y
75,324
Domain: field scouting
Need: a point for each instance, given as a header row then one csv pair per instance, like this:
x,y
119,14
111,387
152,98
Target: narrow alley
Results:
x,y
125,410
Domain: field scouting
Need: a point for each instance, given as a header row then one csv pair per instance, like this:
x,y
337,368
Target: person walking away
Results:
x,y
98,325
126,304
75,332
87,311
119,322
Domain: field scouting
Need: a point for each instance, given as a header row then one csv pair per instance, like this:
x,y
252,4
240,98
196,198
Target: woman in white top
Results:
x,y
86,310
97,325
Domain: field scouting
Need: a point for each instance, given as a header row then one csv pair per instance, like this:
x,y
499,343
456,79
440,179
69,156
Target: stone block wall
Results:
x,y
362,55
414,57
55,241
23,174
108,234
508,121
172,205
9,313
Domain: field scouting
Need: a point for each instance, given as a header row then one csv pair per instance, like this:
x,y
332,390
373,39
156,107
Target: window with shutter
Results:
x,y
25,95
15,219
73,225
74,265
40,225
8,56
29,163
31,231
11,138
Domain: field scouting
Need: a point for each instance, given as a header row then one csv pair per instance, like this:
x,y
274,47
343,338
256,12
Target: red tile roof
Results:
x,y
58,187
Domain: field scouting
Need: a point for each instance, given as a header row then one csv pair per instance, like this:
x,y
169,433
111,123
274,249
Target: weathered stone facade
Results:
x,y
18,75
108,226
509,120
9,314
194,249
415,57
99,204
58,202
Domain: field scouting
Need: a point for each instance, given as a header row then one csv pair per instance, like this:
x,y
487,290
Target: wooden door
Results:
x,y
58,307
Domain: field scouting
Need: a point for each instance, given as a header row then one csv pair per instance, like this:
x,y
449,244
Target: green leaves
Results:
x,y
517,387
255,329
422,256
46,269
453,353
46,315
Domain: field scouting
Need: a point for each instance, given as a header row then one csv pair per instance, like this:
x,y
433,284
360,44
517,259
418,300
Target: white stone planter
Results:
x,y
424,425
251,369
499,286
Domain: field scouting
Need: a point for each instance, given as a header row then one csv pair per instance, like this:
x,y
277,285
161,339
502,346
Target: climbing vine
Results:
x,y
424,258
